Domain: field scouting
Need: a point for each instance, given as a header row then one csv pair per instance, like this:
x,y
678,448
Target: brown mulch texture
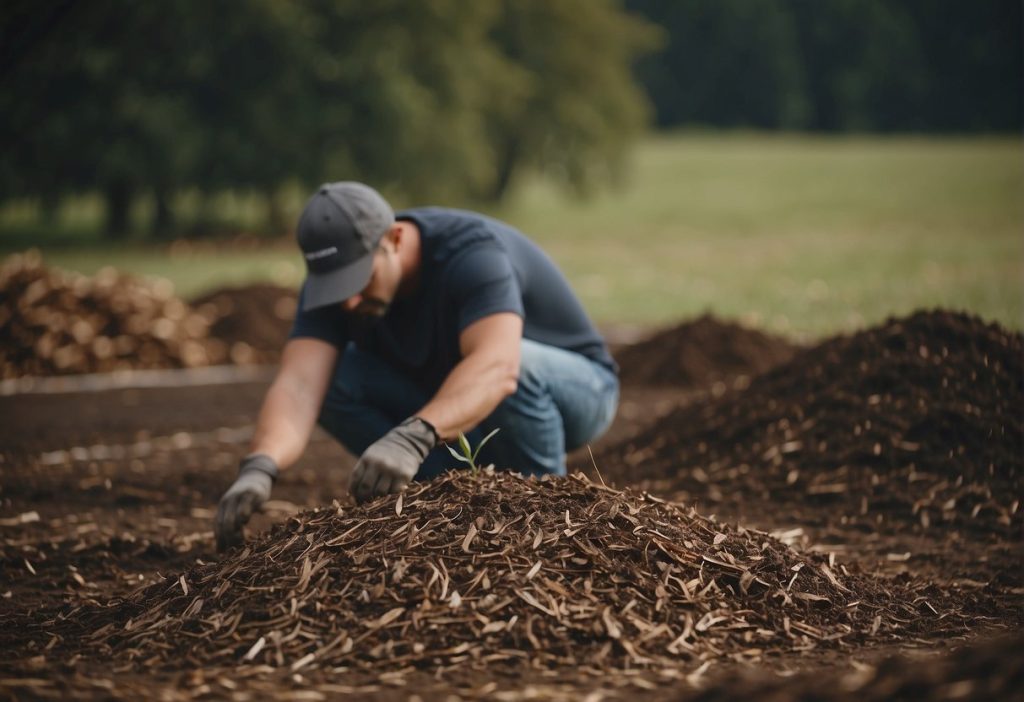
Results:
x,y
702,352
476,570
990,670
917,420
55,322
107,501
253,320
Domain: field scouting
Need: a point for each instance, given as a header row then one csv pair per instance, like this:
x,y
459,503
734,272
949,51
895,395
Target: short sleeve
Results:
x,y
324,323
482,282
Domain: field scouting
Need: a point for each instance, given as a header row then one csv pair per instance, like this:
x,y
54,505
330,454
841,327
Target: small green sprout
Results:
x,y
468,455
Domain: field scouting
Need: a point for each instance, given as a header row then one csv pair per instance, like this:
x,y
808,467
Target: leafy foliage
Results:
x,y
427,99
841,65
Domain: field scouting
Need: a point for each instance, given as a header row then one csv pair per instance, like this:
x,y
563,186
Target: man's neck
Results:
x,y
411,254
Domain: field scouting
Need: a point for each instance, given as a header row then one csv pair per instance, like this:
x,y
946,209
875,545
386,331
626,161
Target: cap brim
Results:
x,y
332,287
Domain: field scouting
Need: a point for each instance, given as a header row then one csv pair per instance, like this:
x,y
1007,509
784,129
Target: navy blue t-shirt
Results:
x,y
472,266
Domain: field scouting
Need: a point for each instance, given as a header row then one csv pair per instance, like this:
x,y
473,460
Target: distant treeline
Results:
x,y
454,100
837,65
429,99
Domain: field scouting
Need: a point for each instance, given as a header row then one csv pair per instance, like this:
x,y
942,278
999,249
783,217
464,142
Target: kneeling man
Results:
x,y
412,328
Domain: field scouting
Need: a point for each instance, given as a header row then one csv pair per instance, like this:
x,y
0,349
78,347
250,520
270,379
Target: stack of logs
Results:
x,y
55,322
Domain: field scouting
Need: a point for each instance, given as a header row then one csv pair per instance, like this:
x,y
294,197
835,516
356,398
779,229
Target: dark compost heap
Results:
x,y
253,320
702,352
917,420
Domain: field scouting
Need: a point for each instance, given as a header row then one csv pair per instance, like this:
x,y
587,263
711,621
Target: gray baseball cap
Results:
x,y
339,230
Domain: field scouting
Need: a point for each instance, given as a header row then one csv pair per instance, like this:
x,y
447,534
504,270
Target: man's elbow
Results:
x,y
509,378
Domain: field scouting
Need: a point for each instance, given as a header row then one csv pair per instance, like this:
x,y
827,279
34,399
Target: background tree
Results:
x,y
89,101
405,88
863,63
427,99
573,107
974,63
727,63
841,65
448,100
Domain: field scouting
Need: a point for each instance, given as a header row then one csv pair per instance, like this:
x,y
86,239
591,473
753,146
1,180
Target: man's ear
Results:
x,y
394,235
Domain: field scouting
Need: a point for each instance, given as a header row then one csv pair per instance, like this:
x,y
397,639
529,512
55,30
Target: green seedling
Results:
x,y
469,455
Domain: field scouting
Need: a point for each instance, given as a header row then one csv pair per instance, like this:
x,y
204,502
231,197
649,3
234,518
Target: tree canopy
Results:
x,y
425,98
837,65
453,100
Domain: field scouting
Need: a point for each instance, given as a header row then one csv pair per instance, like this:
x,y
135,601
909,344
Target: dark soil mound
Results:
x,y
253,320
700,353
477,570
919,419
54,323
992,670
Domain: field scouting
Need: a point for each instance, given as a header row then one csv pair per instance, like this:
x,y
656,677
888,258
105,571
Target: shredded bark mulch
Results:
x,y
702,352
990,670
917,420
905,437
493,568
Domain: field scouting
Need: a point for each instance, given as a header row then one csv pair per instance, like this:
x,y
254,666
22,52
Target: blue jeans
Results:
x,y
562,401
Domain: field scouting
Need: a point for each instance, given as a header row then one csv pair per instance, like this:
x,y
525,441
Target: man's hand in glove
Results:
x,y
256,476
390,463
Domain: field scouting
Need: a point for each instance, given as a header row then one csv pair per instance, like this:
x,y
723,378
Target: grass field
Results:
x,y
803,235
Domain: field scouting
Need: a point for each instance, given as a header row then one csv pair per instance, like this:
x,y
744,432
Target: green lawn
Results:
x,y
804,235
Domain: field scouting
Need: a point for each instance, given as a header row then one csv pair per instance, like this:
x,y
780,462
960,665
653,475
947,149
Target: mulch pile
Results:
x,y
57,323
991,670
702,352
479,569
253,320
918,419
54,323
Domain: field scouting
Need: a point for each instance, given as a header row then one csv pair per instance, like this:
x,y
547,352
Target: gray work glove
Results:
x,y
391,462
256,476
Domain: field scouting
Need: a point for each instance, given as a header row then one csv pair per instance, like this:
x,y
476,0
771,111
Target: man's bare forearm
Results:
x,y
293,401
285,423
470,392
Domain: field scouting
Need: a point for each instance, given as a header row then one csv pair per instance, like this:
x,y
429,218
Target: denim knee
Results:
x,y
366,399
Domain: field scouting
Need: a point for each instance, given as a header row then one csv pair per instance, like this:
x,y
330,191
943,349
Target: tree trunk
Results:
x,y
49,204
205,222
118,195
507,163
275,213
163,216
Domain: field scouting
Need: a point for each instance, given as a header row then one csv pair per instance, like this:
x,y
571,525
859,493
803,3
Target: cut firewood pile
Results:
x,y
487,568
702,352
916,420
54,322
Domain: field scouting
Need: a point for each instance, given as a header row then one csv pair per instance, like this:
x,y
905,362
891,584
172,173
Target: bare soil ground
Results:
x,y
774,588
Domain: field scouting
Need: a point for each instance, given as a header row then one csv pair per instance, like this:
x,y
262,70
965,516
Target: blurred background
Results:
x,y
804,166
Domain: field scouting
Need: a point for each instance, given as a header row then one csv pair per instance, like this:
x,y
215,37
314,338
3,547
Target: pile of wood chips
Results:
x,y
703,352
992,669
915,420
477,570
54,323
